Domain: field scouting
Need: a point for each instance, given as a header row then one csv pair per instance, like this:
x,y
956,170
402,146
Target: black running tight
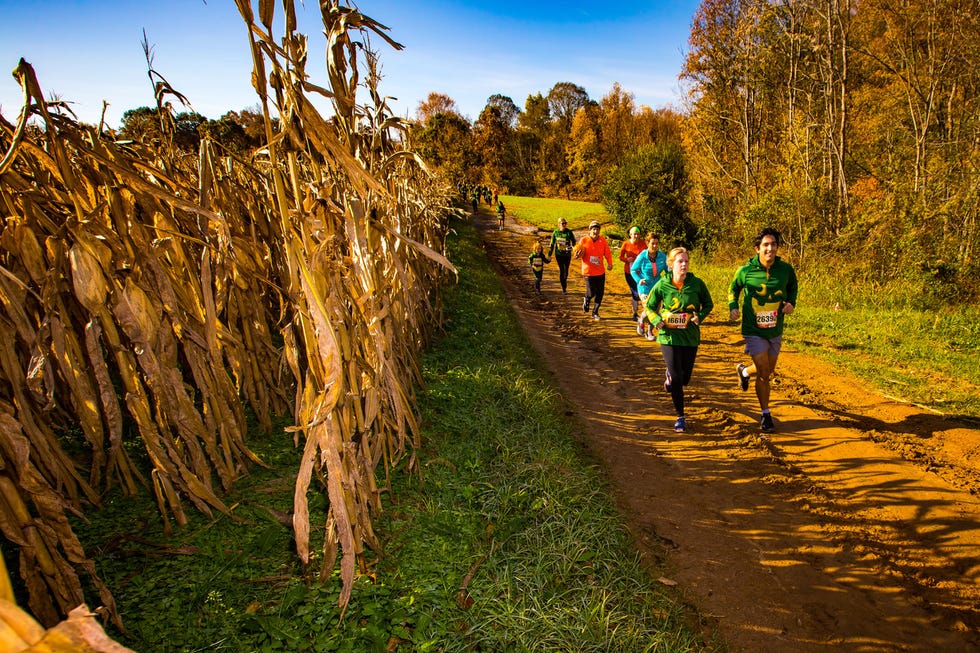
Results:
x,y
680,366
563,264
595,290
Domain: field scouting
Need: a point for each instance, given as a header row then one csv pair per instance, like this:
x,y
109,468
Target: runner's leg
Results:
x,y
600,291
764,364
563,264
673,360
687,355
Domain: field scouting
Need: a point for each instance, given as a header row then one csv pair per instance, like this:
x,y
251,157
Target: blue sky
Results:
x,y
88,51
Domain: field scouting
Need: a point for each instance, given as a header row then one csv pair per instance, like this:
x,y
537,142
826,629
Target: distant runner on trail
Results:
x,y
500,215
592,249
628,252
562,244
646,270
537,259
770,290
681,301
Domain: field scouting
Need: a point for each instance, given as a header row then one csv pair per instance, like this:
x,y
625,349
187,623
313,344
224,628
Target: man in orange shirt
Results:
x,y
592,249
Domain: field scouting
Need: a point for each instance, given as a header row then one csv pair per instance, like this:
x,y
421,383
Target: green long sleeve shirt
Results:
x,y
562,242
676,307
763,293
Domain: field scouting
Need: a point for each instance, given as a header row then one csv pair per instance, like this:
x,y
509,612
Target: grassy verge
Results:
x,y
880,334
509,542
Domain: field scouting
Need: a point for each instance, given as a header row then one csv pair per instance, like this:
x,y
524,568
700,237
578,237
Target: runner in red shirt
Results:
x,y
628,252
591,250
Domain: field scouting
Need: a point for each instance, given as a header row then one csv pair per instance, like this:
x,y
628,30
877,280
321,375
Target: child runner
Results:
x,y
537,259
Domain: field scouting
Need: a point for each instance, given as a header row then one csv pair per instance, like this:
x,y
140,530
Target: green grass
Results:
x,y
545,212
928,358
508,500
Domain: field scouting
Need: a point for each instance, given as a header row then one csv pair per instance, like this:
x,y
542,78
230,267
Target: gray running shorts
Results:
x,y
757,345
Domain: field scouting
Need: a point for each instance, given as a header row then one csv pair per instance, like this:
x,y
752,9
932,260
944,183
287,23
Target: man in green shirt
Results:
x,y
768,288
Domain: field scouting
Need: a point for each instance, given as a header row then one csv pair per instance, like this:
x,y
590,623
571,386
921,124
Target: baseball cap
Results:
x,y
594,223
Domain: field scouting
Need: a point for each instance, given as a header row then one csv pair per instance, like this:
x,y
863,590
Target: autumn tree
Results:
x,y
435,104
252,123
492,143
540,153
509,113
445,143
526,143
617,126
711,133
851,126
584,154
564,101
228,132
656,126
649,190
141,124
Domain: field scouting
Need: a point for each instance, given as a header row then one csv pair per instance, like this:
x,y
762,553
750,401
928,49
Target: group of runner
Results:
x,y
669,303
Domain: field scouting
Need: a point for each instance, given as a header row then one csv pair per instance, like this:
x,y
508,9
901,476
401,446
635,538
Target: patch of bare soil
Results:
x,y
854,527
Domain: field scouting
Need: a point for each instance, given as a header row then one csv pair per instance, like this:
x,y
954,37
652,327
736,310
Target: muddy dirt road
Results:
x,y
854,527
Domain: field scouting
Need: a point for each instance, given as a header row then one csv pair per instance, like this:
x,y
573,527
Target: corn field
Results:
x,y
150,299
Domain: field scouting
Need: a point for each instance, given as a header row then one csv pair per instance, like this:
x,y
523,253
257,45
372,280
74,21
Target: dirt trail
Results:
x,y
855,527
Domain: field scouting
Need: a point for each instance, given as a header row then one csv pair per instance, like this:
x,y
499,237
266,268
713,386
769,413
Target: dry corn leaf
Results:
x,y
87,278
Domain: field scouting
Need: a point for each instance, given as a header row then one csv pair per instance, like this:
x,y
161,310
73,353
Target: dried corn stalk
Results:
x,y
140,291
130,309
361,261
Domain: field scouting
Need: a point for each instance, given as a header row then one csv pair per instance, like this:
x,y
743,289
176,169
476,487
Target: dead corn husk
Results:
x,y
142,292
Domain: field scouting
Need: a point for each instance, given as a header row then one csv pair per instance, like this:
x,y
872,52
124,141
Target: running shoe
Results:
x,y
667,385
767,425
651,335
680,424
595,316
743,381
639,327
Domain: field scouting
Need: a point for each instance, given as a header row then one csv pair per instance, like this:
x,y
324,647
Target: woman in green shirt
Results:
x,y
677,305
562,243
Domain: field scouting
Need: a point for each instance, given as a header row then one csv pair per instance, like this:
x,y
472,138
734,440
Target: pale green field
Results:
x,y
545,212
